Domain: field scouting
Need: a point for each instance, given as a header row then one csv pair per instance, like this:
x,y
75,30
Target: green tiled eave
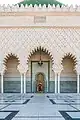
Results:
x,y
42,2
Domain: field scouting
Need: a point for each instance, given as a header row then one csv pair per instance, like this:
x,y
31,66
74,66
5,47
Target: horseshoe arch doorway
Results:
x,y
40,83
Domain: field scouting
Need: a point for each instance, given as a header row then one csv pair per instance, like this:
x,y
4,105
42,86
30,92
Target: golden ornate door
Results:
x,y
40,82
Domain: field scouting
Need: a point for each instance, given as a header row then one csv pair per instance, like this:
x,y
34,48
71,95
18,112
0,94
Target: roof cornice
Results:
x,y
36,8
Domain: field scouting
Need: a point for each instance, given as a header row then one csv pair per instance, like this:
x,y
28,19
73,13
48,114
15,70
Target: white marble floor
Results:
x,y
39,106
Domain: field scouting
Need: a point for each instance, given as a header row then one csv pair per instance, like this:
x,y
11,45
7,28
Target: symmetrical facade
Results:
x,y
40,49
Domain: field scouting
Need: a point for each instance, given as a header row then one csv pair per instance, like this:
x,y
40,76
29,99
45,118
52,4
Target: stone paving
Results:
x,y
40,106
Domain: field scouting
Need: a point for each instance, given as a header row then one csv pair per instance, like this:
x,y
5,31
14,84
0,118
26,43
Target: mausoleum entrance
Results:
x,y
40,83
40,72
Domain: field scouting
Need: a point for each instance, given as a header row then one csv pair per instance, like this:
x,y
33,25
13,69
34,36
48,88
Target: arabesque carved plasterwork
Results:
x,y
22,41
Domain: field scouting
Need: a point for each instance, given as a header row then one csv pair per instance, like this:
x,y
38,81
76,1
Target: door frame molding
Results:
x,y
48,74
36,80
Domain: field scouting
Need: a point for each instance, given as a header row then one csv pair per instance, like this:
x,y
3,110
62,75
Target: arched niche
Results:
x,y
68,83
12,75
45,68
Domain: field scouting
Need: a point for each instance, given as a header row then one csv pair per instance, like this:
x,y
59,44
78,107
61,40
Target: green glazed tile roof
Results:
x,y
42,2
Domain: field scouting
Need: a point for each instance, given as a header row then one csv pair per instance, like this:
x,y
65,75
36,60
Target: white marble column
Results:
x,y
55,82
2,87
58,82
47,85
78,83
21,83
24,83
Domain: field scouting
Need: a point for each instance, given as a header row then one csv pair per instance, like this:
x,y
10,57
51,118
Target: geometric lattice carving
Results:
x,y
57,42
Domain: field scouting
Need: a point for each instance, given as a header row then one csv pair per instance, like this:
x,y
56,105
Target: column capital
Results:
x,y
57,68
24,73
2,69
77,68
57,71
22,68
1,72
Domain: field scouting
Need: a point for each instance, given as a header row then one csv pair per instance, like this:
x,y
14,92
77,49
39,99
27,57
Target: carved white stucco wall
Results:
x,y
58,42
59,34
